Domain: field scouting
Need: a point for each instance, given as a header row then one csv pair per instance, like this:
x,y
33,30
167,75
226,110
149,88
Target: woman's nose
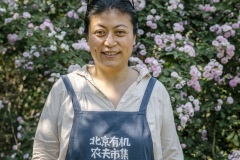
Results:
x,y
110,40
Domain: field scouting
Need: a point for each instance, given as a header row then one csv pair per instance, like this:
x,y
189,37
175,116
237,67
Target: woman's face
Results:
x,y
111,39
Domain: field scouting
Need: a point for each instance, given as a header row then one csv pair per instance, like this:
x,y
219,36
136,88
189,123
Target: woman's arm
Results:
x,y
171,147
46,143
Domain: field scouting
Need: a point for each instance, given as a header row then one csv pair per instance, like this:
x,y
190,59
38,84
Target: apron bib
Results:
x,y
110,135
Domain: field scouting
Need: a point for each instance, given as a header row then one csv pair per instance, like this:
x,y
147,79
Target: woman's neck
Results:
x,y
110,75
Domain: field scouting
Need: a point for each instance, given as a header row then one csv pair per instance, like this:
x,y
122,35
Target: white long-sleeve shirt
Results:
x,y
54,127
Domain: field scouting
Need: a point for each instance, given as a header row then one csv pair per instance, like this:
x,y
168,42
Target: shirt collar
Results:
x,y
83,72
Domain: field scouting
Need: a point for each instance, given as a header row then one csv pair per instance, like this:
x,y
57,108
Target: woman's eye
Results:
x,y
99,33
120,32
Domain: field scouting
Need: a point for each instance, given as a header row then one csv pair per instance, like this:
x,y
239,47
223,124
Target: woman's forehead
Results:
x,y
110,16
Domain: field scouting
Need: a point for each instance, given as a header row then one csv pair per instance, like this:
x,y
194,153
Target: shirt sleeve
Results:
x,y
46,143
171,148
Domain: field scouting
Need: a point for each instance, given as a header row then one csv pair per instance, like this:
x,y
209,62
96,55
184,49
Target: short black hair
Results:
x,y
95,7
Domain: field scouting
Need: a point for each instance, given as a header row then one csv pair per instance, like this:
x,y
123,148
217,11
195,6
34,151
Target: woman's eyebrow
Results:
x,y
119,25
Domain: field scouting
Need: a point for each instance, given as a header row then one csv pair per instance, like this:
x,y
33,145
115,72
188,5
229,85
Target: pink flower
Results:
x,y
156,73
77,46
204,132
204,135
205,74
218,108
197,108
219,31
196,102
183,146
42,27
178,36
214,28
48,24
207,8
26,54
149,23
220,38
213,72
207,68
70,14
75,16
230,100
158,41
190,83
19,135
194,72
230,53
187,48
197,87
179,110
35,6
188,106
155,62
36,54
150,17
26,15
178,27
227,34
215,43
224,60
209,76
220,55
182,94
174,74
192,53
231,48
143,52
214,1
178,86
30,25
213,9
12,38
233,32
153,11
149,60
184,120
220,81
235,26
233,83
168,49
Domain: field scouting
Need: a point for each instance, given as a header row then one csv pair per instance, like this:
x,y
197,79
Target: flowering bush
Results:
x,y
192,47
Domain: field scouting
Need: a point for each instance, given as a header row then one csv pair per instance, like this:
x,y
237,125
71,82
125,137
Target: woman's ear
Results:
x,y
134,41
87,39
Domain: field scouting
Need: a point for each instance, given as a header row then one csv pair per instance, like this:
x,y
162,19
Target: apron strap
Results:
x,y
71,92
147,94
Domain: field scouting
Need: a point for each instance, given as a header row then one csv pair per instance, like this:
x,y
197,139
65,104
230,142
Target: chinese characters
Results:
x,y
109,147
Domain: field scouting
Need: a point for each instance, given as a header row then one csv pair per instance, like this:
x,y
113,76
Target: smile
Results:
x,y
110,53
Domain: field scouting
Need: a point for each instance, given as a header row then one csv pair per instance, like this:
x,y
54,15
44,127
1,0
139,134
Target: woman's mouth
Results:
x,y
110,53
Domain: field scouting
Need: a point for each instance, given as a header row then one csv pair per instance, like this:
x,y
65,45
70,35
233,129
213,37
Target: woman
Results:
x,y
108,110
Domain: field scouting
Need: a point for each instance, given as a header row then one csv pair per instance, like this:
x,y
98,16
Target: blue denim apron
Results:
x,y
110,135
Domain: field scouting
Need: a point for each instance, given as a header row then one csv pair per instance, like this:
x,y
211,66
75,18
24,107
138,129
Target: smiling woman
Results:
x,y
111,40
108,110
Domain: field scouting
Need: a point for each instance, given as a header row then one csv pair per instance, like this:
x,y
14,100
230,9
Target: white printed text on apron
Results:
x,y
109,147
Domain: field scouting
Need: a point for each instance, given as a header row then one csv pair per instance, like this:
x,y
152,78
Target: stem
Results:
x,y
73,55
214,141
3,121
12,127
9,108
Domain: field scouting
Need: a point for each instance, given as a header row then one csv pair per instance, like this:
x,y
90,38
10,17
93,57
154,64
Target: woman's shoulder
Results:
x,y
76,78
159,89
